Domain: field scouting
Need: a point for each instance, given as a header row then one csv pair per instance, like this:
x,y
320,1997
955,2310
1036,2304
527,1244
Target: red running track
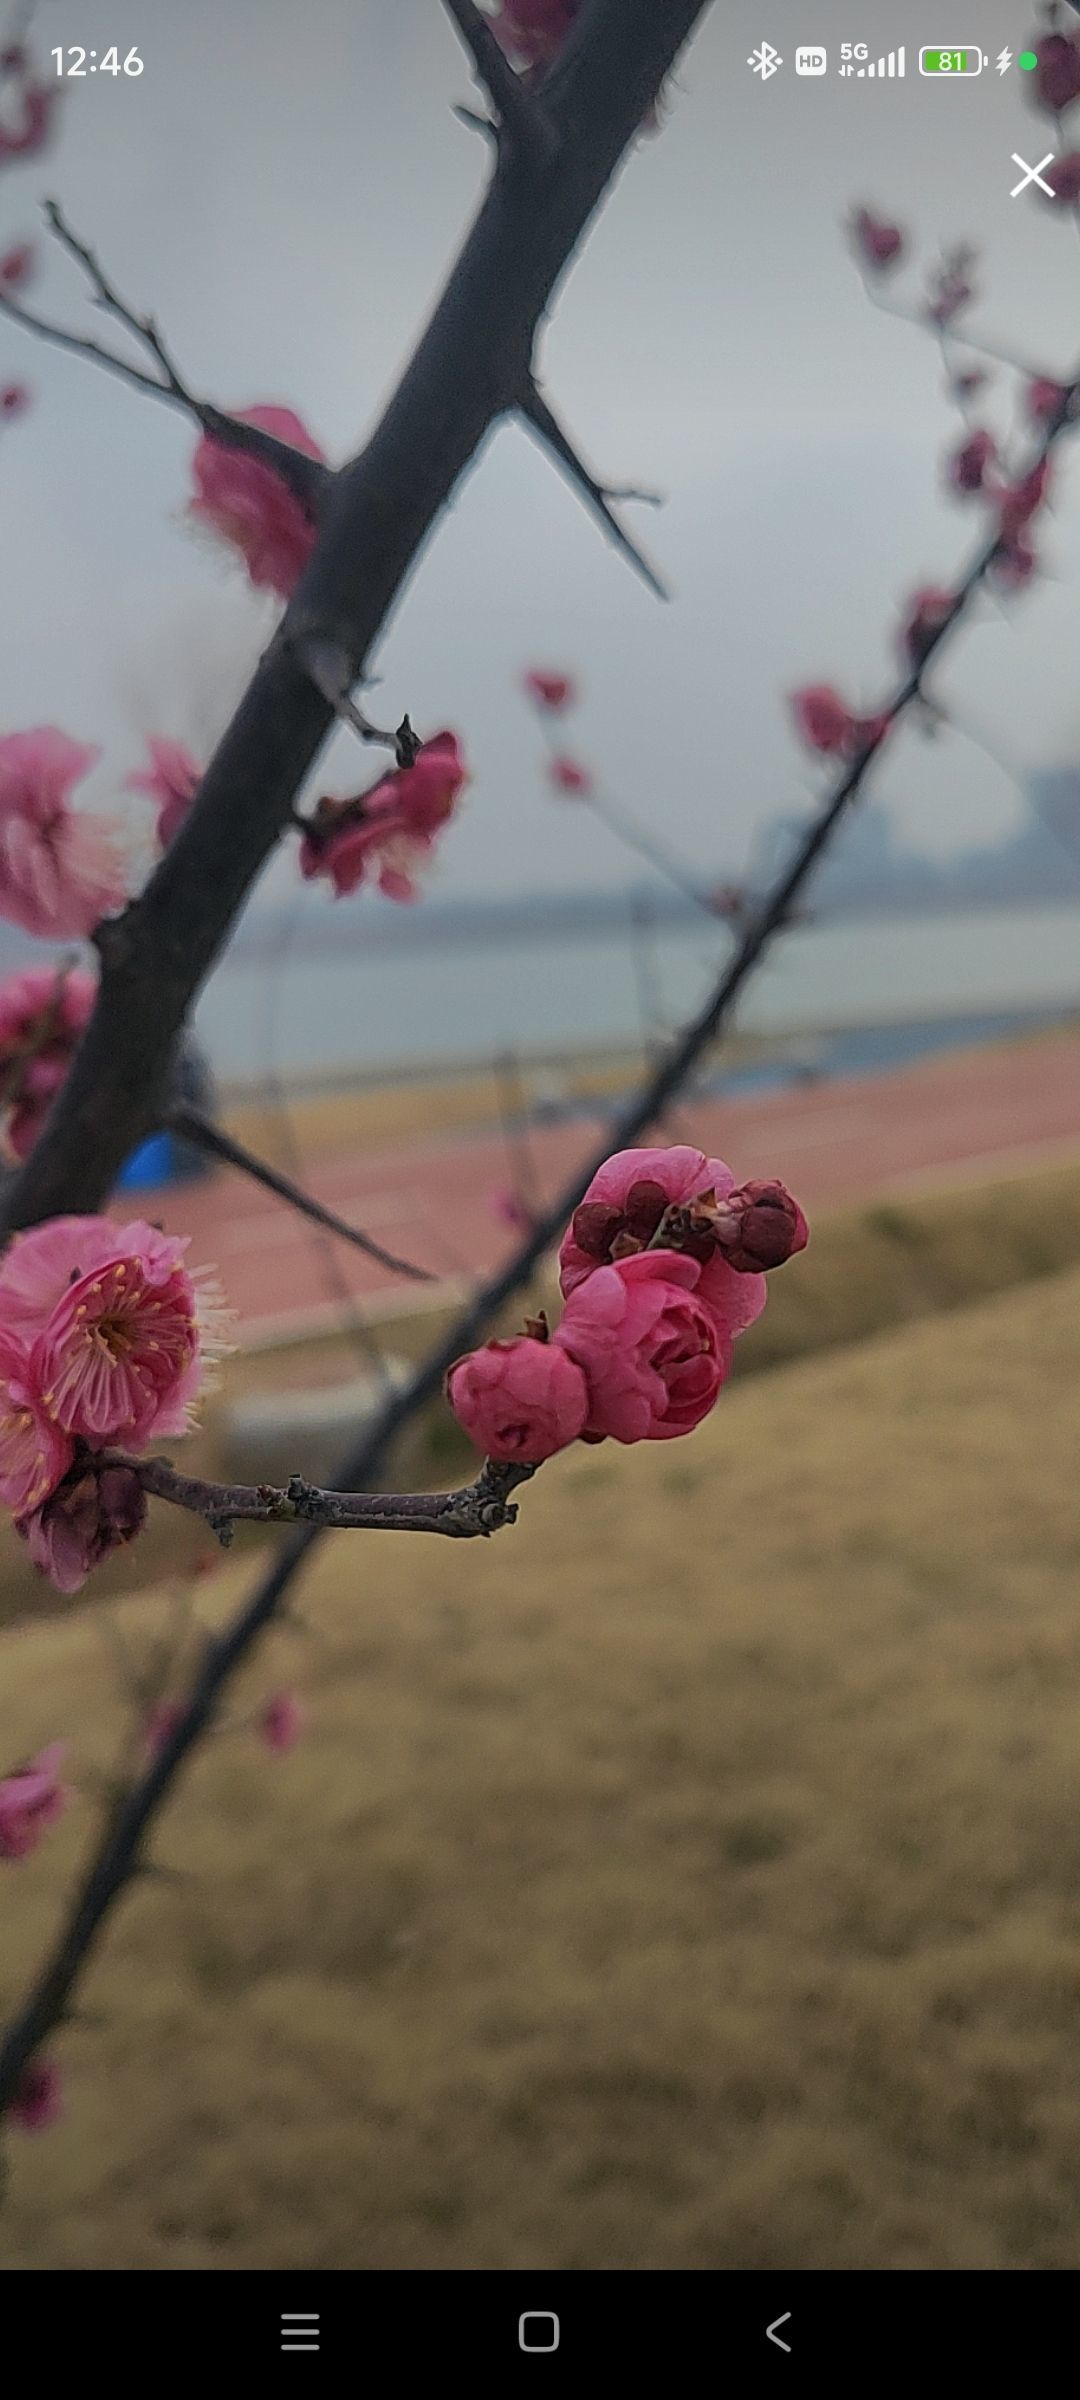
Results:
x,y
434,1201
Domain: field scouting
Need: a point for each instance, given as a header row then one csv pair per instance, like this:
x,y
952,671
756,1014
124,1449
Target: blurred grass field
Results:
x,y
688,1878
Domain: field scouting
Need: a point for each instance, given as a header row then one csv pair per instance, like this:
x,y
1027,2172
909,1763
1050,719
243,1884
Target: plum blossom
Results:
x,y
928,610
43,1014
27,129
622,1211
532,32
551,691
969,466
1043,398
829,726
91,1514
120,1355
15,399
654,1357
246,504
171,779
1055,83
280,1722
31,1799
519,1400
1020,502
878,244
569,776
17,266
34,1451
759,1226
38,2098
60,868
386,834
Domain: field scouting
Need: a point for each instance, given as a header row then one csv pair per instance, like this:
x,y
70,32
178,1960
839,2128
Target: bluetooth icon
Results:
x,y
765,61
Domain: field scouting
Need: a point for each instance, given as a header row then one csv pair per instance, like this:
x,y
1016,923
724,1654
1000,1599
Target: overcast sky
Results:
x,y
284,187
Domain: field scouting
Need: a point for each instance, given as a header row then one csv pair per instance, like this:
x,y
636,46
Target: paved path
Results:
x,y
434,1201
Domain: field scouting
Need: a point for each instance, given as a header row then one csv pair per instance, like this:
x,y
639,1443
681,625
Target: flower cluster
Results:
x,y
384,835
662,1266
105,1338
247,505
43,1015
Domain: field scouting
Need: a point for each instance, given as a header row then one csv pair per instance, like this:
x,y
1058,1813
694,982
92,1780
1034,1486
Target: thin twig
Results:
x,y
479,1509
332,676
522,118
599,496
189,1125
307,478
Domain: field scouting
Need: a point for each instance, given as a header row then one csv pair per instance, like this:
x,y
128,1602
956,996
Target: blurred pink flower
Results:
x,y
385,834
878,244
622,1211
121,1355
1016,562
829,726
928,611
569,776
523,1399
968,466
1056,82
1064,176
654,1357
15,399
248,505
31,1799
60,869
1020,502
34,1452
38,2099
38,103
280,1722
17,266
43,1015
1044,397
172,779
83,1522
532,32
551,691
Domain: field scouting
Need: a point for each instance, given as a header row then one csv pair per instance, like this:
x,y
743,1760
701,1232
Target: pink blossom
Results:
x,y
17,266
621,1213
928,611
759,1226
247,504
1015,562
385,834
967,468
172,779
38,2101
43,1015
60,870
38,1267
879,245
524,1399
569,776
1044,397
35,1453
31,1799
653,1355
91,1515
39,102
551,691
1064,176
1056,81
280,1722
14,400
1021,501
120,1357
532,32
829,726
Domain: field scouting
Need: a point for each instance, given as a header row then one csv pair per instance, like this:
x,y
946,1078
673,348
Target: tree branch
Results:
x,y
470,369
306,478
189,1125
522,118
598,496
479,1509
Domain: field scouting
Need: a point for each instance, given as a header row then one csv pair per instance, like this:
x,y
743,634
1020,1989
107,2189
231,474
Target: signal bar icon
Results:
x,y
894,63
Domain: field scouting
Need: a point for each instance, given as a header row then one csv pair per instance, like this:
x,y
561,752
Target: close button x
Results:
x,y
1032,175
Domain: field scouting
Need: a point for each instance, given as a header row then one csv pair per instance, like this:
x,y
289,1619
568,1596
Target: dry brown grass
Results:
x,y
689,1879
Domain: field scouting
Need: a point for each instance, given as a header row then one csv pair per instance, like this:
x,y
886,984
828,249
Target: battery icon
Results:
x,y
951,62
